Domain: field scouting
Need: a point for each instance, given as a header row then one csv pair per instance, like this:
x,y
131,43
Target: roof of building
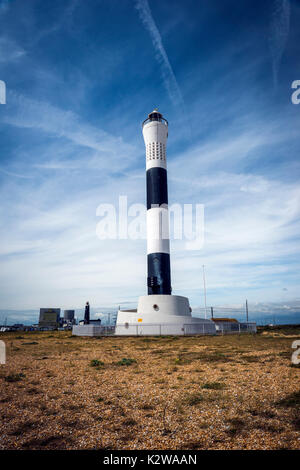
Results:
x,y
231,320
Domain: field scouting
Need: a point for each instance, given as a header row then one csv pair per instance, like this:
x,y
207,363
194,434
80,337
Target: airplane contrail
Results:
x,y
279,29
168,75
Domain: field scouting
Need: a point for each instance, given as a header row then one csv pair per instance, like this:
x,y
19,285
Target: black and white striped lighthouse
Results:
x,y
160,312
155,132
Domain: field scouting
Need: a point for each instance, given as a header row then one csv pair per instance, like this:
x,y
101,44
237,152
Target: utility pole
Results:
x,y
204,286
212,312
247,310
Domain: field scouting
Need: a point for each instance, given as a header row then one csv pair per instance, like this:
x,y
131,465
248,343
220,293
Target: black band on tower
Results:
x,y
157,187
159,278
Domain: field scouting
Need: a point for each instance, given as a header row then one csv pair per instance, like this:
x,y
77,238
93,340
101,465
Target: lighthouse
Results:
x,y
155,133
160,312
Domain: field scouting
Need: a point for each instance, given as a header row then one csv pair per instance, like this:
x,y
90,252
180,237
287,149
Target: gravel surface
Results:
x,y
230,392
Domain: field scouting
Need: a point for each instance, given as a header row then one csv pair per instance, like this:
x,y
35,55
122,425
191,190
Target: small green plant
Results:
x,y
126,361
291,401
296,423
98,418
236,426
286,354
191,445
14,377
96,363
129,422
99,399
160,381
213,386
33,391
180,360
247,358
193,399
23,427
147,407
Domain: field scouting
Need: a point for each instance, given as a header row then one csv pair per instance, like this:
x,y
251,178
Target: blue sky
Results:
x,y
81,77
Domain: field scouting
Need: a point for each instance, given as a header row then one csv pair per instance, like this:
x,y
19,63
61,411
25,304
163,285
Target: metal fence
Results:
x,y
168,329
240,313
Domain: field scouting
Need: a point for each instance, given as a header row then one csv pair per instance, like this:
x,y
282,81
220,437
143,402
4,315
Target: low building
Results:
x,y
96,322
18,326
49,318
231,325
69,316
226,324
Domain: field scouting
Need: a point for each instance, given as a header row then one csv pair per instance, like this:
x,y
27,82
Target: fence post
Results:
x,y
239,328
160,329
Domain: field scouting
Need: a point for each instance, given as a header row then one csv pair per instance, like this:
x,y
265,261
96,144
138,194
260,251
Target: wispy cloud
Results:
x,y
279,32
37,115
10,51
64,21
161,56
11,173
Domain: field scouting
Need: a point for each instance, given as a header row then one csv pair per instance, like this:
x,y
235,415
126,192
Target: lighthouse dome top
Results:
x,y
155,115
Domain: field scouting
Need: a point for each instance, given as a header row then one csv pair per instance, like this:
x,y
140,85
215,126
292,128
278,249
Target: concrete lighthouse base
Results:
x,y
162,315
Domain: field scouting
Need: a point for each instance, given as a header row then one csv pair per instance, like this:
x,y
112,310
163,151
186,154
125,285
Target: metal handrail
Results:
x,y
156,119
